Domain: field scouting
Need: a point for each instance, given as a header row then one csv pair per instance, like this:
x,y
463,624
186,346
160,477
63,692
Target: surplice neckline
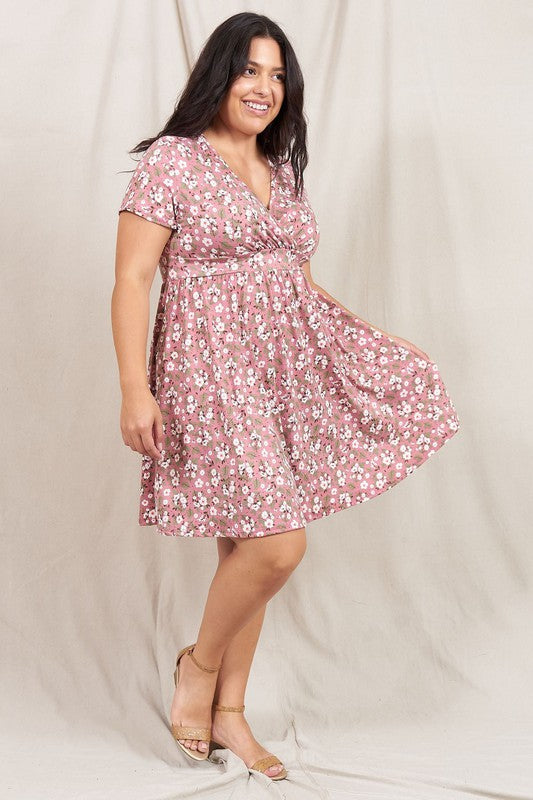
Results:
x,y
268,208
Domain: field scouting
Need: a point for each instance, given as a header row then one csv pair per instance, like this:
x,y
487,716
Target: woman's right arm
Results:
x,y
139,247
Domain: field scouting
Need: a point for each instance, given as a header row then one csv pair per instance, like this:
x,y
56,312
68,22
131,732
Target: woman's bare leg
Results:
x,y
239,654
246,578
231,728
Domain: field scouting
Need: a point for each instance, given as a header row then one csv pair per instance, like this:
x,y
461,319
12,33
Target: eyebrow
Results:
x,y
256,64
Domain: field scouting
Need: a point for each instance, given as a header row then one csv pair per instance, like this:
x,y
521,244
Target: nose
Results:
x,y
261,85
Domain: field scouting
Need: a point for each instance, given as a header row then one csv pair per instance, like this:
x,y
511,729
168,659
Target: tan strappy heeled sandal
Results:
x,y
186,731
263,763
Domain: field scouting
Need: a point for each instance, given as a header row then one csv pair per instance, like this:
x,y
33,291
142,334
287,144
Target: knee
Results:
x,y
275,556
283,561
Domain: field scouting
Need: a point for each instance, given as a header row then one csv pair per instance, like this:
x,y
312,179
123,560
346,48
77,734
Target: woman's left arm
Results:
x,y
306,266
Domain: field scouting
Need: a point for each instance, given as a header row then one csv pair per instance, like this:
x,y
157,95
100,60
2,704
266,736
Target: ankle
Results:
x,y
210,662
233,705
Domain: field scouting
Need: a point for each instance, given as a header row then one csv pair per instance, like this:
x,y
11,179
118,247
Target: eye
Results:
x,y
278,74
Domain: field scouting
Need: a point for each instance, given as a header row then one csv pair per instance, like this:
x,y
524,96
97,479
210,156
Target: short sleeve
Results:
x,y
152,190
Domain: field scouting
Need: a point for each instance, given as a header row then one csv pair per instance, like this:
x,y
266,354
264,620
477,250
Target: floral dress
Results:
x,y
279,407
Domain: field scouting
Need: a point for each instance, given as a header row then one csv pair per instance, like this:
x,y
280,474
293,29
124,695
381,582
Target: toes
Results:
x,y
274,770
194,744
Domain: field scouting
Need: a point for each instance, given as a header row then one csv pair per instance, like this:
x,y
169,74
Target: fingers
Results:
x,y
142,425
158,425
142,442
135,442
148,444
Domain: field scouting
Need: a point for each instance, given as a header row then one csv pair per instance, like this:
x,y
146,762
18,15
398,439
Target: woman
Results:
x,y
266,403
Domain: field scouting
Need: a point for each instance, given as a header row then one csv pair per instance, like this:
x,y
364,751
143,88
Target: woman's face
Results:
x,y
262,83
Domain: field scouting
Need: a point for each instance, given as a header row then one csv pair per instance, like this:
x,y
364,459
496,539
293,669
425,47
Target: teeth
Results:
x,y
255,105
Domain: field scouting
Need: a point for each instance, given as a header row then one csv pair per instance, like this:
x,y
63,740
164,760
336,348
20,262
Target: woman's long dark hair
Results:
x,y
223,59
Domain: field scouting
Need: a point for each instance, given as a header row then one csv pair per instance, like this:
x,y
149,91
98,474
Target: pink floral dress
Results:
x,y
279,407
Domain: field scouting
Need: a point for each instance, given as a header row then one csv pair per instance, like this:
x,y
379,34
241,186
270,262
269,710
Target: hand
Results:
x,y
141,422
411,346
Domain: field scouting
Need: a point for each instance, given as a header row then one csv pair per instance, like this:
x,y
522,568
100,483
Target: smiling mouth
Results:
x,y
256,106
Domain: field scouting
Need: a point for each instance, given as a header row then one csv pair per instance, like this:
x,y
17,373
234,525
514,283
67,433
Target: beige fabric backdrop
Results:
x,y
397,660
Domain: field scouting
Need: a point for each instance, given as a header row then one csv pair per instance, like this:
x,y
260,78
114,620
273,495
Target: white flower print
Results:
x,y
279,406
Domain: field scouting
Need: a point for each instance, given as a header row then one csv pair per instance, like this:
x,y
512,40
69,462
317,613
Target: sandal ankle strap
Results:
x,y
202,666
229,708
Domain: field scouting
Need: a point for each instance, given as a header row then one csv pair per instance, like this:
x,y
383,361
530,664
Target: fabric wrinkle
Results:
x,y
279,406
